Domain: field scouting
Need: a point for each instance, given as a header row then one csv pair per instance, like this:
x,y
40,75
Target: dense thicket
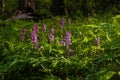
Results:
x,y
66,7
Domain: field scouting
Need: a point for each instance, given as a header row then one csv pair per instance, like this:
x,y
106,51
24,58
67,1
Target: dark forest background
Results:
x,y
61,7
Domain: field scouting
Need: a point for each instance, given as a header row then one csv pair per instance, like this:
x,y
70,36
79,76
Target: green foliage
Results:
x,y
43,7
88,61
11,6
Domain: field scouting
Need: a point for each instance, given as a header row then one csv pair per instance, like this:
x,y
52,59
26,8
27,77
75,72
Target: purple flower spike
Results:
x,y
23,33
97,41
35,27
62,42
67,39
51,36
44,27
34,39
52,31
62,23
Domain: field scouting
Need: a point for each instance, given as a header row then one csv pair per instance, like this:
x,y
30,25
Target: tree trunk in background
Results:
x,y
21,4
65,7
57,7
27,6
3,7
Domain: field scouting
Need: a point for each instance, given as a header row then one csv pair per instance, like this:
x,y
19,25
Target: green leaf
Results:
x,y
103,74
119,73
54,63
85,40
108,38
106,75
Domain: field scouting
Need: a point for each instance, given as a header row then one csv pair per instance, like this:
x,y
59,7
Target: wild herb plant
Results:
x,y
47,50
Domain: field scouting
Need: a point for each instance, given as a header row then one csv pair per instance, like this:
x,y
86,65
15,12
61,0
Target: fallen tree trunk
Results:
x,y
23,16
25,11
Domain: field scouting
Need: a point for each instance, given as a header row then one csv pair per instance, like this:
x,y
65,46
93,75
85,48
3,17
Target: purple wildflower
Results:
x,y
34,38
97,41
52,31
67,39
61,23
44,27
69,21
23,33
62,42
35,27
51,36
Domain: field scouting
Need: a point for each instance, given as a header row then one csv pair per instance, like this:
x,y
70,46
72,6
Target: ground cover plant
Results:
x,y
60,49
